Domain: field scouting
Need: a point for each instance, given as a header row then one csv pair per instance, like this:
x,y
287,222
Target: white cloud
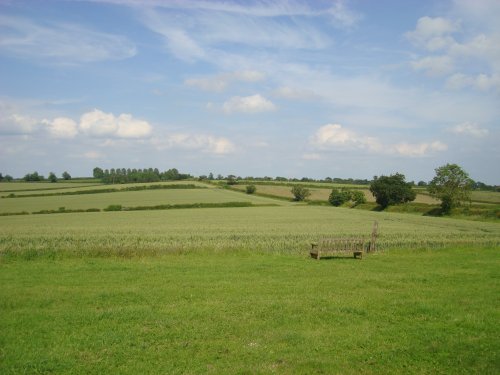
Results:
x,y
470,129
433,33
481,82
419,149
61,127
220,82
334,135
248,104
17,124
99,124
463,49
60,43
434,65
198,142
128,127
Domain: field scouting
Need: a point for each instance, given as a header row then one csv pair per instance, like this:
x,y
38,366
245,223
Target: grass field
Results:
x,y
411,312
233,290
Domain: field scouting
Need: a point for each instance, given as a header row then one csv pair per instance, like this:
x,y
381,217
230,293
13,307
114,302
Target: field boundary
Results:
x,y
109,190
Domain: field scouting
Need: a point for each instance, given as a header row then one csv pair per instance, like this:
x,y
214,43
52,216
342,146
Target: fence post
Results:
x,y
373,245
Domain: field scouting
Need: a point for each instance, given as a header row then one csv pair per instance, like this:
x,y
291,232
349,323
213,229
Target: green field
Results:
x,y
127,198
233,290
38,186
412,312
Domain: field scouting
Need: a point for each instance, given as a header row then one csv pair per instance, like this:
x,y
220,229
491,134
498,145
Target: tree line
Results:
x,y
126,175
451,185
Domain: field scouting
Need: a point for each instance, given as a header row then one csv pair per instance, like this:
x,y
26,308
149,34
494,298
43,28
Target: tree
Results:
x,y
451,185
8,178
98,172
1,177
250,189
66,175
52,177
390,190
30,177
339,197
300,193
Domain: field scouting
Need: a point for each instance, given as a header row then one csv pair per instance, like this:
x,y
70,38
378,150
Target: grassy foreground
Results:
x,y
425,312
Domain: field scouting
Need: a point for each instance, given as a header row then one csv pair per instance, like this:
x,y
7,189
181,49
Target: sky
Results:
x,y
326,88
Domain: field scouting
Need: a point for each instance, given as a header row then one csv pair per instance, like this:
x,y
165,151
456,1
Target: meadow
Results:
x,y
233,290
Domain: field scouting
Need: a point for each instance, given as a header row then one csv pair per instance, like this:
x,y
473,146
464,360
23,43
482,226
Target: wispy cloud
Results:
x,y
452,49
469,129
335,137
60,43
205,143
220,82
248,104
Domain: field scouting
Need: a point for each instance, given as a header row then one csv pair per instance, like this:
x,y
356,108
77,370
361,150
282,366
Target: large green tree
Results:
x,y
451,185
393,189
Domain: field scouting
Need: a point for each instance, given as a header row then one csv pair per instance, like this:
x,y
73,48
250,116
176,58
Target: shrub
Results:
x,y
339,197
358,197
300,193
250,189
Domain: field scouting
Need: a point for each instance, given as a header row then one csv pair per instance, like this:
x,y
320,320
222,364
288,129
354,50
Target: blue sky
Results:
x,y
252,88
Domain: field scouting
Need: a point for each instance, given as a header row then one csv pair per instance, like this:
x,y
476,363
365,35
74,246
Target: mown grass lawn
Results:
x,y
239,312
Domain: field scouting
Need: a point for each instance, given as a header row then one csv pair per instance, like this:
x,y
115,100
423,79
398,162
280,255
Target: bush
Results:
x,y
339,197
300,193
358,197
250,189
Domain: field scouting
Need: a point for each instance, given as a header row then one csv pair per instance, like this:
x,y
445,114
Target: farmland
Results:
x,y
232,290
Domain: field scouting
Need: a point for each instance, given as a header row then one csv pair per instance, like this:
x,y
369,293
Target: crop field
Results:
x,y
282,229
59,188
322,194
233,290
126,198
39,186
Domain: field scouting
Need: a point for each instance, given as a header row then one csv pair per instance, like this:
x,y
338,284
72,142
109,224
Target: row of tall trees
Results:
x,y
125,175
35,177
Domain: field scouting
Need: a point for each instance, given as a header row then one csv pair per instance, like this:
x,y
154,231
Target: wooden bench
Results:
x,y
332,246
